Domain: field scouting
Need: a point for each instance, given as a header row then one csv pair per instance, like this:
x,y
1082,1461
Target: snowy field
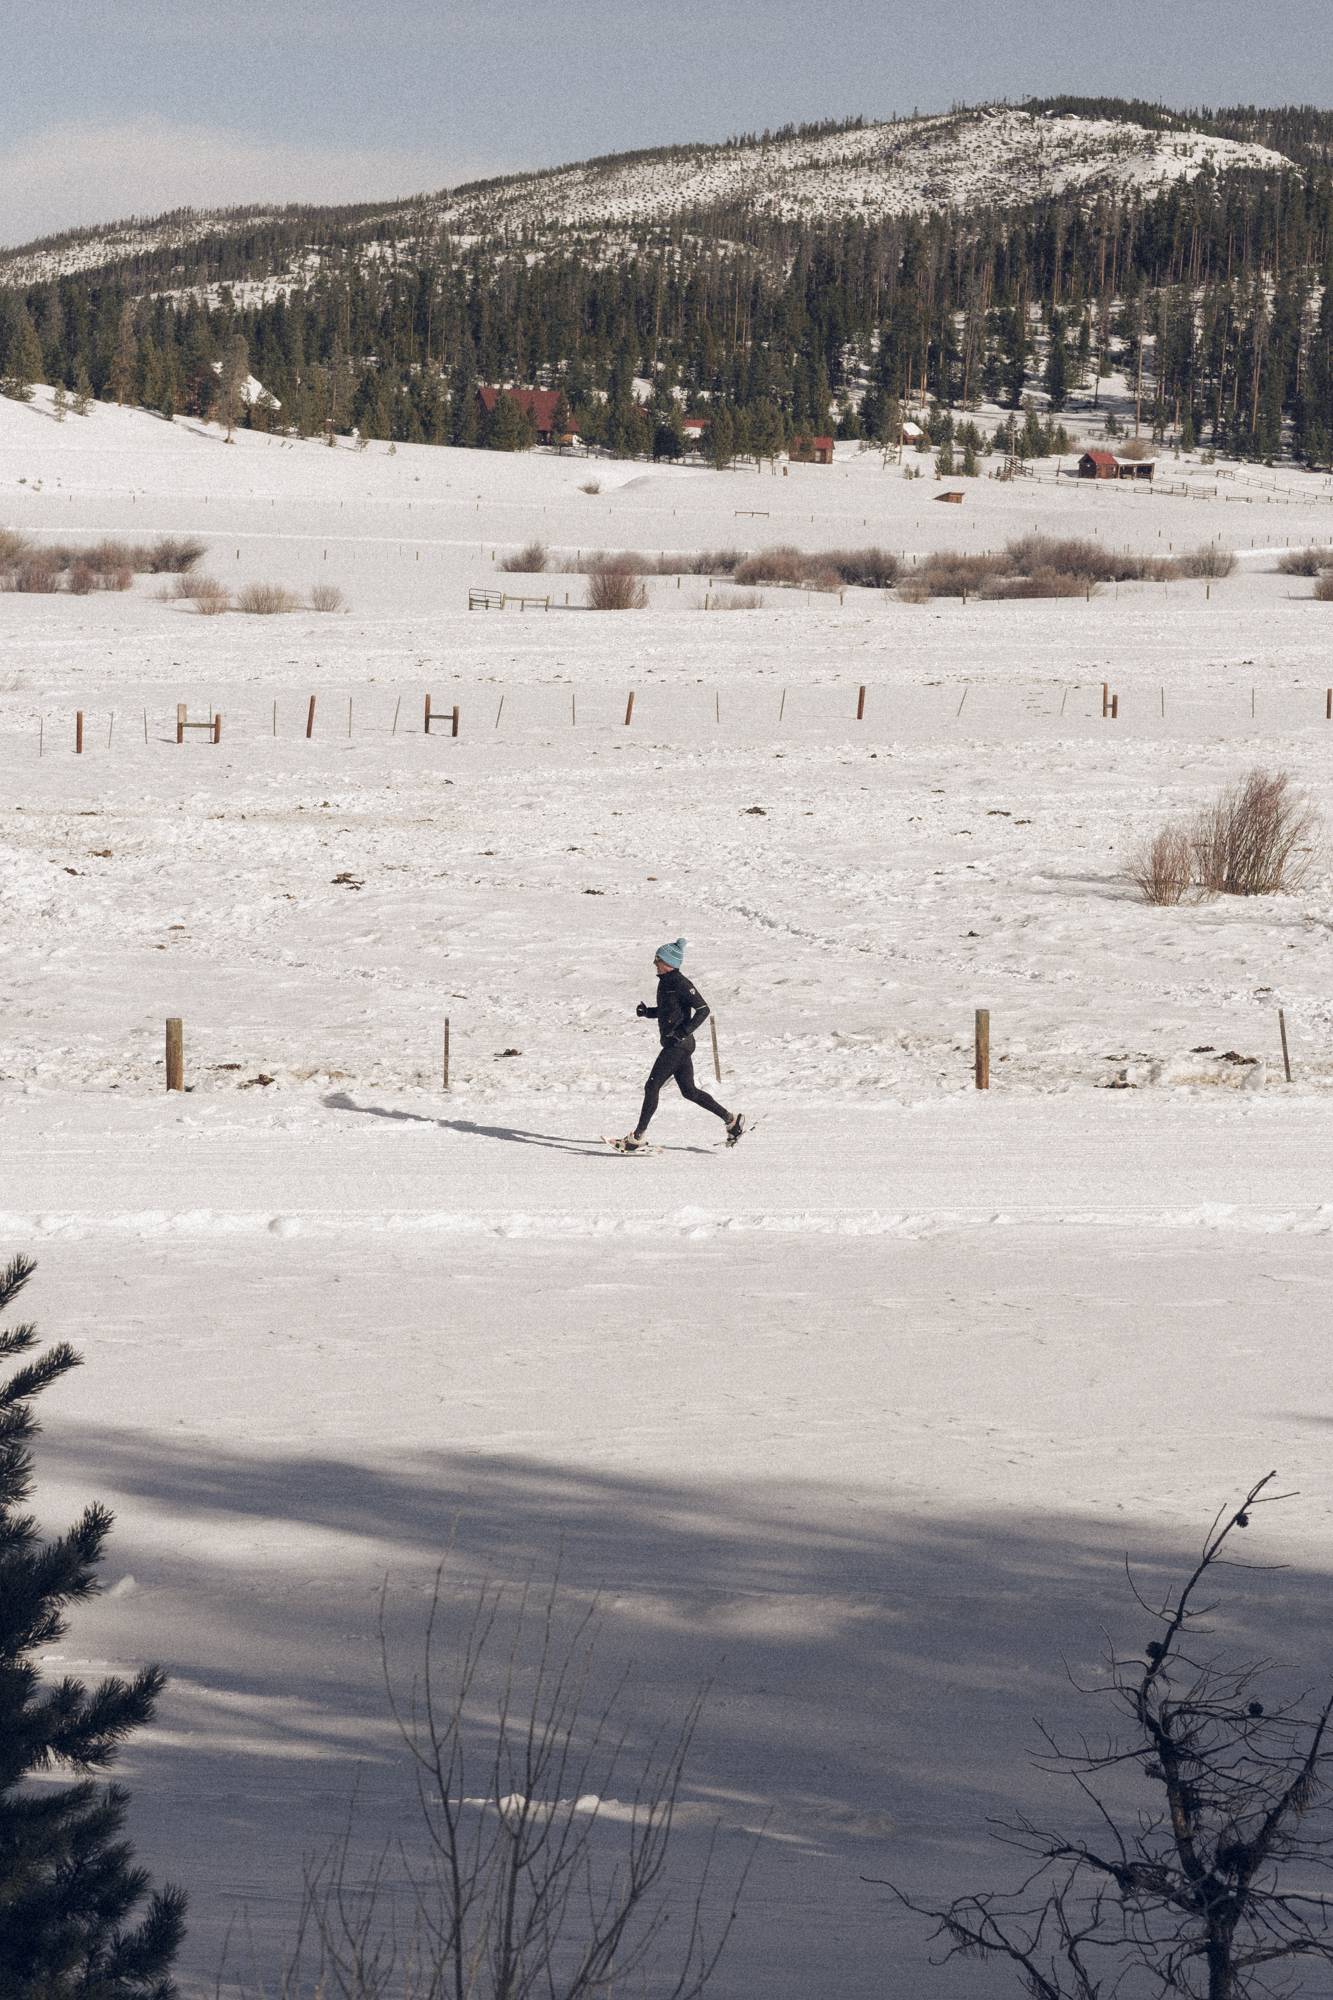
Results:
x,y
856,1421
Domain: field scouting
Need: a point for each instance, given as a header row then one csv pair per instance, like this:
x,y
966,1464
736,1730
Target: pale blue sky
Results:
x,y
113,107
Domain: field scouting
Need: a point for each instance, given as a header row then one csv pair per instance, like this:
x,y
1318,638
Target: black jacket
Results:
x,y
680,1009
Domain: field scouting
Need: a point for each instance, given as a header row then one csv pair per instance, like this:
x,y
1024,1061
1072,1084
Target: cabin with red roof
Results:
x,y
538,404
811,451
1096,464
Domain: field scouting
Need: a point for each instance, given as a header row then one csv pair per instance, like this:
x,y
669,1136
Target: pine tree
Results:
x,y
59,403
83,392
69,1890
125,361
233,383
22,364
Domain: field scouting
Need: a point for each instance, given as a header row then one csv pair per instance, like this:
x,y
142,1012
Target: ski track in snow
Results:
x,y
856,1421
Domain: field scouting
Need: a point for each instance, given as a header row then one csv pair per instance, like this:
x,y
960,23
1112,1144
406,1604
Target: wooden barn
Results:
x,y
811,451
539,404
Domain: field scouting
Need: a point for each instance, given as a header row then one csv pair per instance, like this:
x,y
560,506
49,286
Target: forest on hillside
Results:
x,y
1212,295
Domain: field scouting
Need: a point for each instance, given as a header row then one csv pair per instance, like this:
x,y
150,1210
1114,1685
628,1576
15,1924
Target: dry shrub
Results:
x,y
267,600
326,597
1254,840
1323,589
1206,560
119,578
1041,583
1162,869
700,562
1136,448
781,564
914,589
591,486
736,600
530,561
863,569
210,597
35,574
172,555
614,588
106,557
946,574
823,578
81,579
1293,562
13,546
1072,556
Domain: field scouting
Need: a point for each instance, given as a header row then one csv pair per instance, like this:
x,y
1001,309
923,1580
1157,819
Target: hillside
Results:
x,y
993,157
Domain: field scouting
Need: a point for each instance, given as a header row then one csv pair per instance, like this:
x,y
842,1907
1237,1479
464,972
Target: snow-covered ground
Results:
x,y
856,1420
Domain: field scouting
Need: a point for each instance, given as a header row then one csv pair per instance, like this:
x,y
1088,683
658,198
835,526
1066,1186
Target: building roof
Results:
x,y
539,404
817,443
1100,457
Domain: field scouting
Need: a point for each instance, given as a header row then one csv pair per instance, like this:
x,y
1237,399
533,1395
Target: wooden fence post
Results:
x,y
310,720
180,721
1106,700
217,727
446,1051
983,1048
717,1066
629,711
454,724
175,1055
860,704
1282,1030
426,724
78,732
1328,706
1115,708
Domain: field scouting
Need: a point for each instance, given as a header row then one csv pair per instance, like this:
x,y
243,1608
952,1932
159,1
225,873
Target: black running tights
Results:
x,y
677,1062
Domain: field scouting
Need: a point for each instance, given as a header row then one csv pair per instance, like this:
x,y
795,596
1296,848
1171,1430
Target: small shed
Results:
x,y
1135,468
912,433
953,494
1098,465
811,451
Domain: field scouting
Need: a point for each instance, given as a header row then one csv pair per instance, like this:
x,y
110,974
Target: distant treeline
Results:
x,y
1213,295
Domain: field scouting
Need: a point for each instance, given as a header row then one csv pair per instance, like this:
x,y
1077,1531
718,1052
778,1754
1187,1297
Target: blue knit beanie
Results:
x,y
671,954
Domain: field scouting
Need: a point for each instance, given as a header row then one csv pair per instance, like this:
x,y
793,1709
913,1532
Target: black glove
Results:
x,y
641,1010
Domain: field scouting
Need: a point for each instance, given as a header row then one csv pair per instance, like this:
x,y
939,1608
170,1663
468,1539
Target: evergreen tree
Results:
x,y
71,1926
83,392
125,362
59,403
1056,379
232,383
22,362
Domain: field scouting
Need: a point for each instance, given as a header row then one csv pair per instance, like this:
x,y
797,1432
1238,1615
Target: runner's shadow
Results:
x,y
590,1148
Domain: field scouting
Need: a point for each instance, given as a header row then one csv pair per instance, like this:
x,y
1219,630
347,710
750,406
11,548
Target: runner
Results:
x,y
680,1010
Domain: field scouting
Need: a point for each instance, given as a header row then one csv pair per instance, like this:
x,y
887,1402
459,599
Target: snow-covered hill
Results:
x,y
966,159
990,157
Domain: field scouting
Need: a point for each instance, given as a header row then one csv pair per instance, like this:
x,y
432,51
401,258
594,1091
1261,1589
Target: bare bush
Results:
x,y
1041,583
1256,838
1136,448
210,597
613,588
1069,555
1296,562
736,600
108,556
35,574
119,578
1207,560
520,1883
591,486
947,574
783,563
326,597
13,546
1194,1857
80,579
267,600
1162,869
173,554
863,569
529,561
1323,589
